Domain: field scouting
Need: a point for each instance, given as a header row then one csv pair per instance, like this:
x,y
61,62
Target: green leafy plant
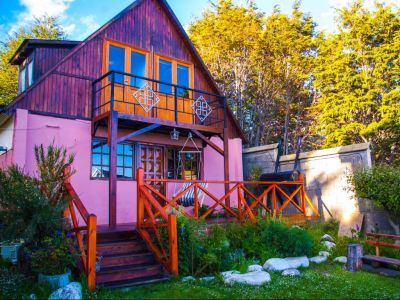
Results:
x,y
53,257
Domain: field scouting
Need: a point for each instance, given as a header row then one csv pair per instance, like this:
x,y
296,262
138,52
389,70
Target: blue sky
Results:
x,y
80,18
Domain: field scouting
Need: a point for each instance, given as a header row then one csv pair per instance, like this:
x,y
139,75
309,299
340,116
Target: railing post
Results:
x,y
302,195
173,244
140,207
91,252
112,92
274,200
196,201
240,197
176,104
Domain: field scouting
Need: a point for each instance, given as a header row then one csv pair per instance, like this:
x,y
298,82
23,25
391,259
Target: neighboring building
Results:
x,y
102,99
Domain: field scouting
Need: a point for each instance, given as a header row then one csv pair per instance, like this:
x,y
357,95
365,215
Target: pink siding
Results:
x,y
76,137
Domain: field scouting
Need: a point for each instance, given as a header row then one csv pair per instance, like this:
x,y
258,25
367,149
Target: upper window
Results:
x,y
25,75
116,62
182,80
101,159
165,75
138,68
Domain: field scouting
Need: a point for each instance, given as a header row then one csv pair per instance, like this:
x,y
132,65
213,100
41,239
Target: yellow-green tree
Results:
x,y
41,28
358,80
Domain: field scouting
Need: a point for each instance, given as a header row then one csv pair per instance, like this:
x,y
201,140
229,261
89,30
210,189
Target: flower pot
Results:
x,y
10,252
56,281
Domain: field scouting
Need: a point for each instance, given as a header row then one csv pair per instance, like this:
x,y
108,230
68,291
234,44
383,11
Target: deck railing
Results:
x,y
249,200
150,98
88,250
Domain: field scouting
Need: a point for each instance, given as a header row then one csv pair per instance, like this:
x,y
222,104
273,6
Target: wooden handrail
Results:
x,y
88,256
377,237
384,236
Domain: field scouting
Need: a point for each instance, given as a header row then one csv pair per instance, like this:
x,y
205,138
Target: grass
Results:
x,y
326,281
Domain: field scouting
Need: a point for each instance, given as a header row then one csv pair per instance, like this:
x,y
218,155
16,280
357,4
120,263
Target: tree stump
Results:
x,y
354,257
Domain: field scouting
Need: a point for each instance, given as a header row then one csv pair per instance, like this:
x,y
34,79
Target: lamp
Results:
x,y
3,149
174,134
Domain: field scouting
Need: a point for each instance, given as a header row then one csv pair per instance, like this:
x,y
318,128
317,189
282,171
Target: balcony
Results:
x,y
145,100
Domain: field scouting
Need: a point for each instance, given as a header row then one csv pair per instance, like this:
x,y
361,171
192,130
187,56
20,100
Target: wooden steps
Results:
x,y
382,260
126,260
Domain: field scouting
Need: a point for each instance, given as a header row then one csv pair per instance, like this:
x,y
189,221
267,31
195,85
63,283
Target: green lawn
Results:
x,y
327,281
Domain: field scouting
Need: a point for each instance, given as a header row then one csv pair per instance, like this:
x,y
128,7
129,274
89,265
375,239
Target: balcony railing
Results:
x,y
149,98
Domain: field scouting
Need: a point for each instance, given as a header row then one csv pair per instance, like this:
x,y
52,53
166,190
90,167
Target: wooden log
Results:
x,y
173,244
354,257
140,207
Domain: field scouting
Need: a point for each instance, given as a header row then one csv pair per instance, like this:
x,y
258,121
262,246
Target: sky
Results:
x,y
79,18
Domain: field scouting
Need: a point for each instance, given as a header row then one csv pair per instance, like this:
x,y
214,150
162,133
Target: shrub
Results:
x,y
53,257
286,241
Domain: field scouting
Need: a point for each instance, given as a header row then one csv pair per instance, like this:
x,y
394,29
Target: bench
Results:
x,y
381,240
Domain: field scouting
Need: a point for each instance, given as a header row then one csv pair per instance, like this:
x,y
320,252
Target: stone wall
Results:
x,y
326,174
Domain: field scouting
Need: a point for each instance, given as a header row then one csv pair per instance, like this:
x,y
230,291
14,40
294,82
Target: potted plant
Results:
x,y
53,261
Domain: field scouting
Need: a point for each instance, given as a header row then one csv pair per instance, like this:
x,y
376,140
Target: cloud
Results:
x,y
38,8
88,26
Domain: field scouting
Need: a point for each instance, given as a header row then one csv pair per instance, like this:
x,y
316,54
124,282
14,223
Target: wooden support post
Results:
x,y
112,142
240,201
302,195
226,166
173,244
354,257
196,201
377,247
91,253
140,207
273,199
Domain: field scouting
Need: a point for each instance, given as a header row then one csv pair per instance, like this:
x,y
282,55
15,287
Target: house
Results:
x,y
114,100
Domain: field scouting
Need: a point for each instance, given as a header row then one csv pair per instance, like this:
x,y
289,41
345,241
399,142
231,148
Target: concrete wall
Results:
x,y
326,174
75,135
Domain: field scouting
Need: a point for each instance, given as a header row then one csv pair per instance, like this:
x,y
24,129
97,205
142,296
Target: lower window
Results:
x,y
185,165
101,159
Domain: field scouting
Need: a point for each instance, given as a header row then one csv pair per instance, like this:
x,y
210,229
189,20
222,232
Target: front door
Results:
x,y
151,159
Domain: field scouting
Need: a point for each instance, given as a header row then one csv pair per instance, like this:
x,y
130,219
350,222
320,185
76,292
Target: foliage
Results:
x,y
262,64
25,212
357,79
54,256
41,28
286,241
381,184
50,164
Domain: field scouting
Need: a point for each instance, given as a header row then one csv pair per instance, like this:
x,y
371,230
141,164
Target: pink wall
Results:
x,y
75,135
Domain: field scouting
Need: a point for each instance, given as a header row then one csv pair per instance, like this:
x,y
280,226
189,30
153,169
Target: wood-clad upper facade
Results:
x,y
64,76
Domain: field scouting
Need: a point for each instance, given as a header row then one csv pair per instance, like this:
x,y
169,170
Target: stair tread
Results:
x,y
131,267
128,254
138,281
120,242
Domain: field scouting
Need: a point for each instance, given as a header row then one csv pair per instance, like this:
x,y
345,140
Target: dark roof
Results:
x,y
28,45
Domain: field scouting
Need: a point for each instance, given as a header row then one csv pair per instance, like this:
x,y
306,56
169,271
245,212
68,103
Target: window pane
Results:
x,y
30,73
183,80
22,80
120,160
165,75
96,146
120,149
138,68
116,62
120,172
96,172
106,159
96,159
128,161
128,172
128,149
106,149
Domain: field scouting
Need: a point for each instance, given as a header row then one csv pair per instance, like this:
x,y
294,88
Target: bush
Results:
x,y
54,257
286,241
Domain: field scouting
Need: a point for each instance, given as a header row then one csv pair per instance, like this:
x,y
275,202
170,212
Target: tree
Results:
x,y
41,28
357,77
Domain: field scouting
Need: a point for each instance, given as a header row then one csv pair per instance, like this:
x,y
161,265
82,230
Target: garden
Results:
x,y
216,261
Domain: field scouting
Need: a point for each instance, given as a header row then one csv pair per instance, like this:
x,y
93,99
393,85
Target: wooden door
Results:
x,y
151,159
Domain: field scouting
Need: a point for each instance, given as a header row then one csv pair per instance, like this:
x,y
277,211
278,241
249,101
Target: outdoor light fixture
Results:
x,y
174,134
3,149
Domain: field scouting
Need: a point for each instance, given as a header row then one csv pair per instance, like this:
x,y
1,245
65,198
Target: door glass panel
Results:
x,y
183,80
165,75
116,61
138,68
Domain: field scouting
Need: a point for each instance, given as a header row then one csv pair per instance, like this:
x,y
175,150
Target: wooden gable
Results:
x,y
66,89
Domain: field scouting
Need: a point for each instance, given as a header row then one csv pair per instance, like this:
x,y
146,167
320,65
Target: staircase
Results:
x,y
126,261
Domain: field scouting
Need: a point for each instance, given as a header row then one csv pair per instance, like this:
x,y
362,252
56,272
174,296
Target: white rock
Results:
x,y
71,291
341,259
324,253
255,268
318,259
328,244
291,272
188,278
207,279
252,278
281,264
327,237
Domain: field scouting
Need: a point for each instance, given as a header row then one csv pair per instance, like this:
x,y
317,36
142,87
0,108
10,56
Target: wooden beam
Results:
x,y
206,140
112,142
138,132
226,166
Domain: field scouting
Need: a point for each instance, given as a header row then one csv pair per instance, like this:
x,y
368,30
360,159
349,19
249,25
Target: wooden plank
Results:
x,y
382,259
382,244
112,142
208,142
91,253
385,236
173,244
